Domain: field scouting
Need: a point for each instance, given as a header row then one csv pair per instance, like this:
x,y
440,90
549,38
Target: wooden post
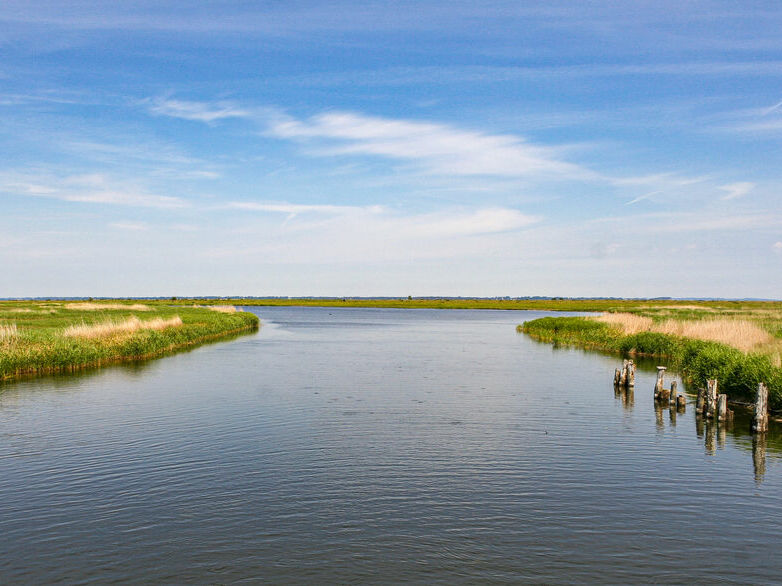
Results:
x,y
722,407
674,392
711,398
659,385
760,420
617,375
681,403
700,402
630,376
623,375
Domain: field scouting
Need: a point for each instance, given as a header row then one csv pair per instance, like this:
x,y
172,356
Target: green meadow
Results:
x,y
39,337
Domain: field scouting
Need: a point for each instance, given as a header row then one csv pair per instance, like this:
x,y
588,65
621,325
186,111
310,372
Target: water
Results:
x,y
371,445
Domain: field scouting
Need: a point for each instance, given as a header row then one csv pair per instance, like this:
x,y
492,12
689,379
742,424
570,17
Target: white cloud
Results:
x,y
777,247
95,188
736,190
200,111
374,234
437,148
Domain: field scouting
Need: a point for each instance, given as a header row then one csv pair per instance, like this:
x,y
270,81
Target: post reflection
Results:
x,y
712,432
759,456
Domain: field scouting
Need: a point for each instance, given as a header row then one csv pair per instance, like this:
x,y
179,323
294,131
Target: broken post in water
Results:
x,y
660,384
760,420
624,378
711,398
722,408
700,402
674,393
681,403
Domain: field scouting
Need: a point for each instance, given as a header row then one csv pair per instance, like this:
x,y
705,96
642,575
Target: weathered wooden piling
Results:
x,y
722,407
711,398
760,420
700,402
681,403
630,376
624,378
660,384
674,393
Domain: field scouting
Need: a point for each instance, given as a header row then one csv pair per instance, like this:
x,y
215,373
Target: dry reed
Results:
x,y
628,322
222,308
112,328
741,334
86,306
8,332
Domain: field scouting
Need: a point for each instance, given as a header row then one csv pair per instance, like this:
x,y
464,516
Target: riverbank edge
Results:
x,y
33,371
696,360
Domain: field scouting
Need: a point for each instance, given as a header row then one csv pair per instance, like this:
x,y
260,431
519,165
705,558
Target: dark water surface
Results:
x,y
372,445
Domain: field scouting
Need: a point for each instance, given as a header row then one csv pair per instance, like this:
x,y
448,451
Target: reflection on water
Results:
x,y
370,445
714,434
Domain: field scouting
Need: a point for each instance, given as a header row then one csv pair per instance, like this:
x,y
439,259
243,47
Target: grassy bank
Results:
x,y
738,371
56,336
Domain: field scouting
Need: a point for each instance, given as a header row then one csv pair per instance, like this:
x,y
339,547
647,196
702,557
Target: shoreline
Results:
x,y
738,373
39,339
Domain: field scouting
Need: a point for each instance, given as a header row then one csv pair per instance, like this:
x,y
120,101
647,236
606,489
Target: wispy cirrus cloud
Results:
x,y
189,110
371,233
435,148
736,190
92,188
449,222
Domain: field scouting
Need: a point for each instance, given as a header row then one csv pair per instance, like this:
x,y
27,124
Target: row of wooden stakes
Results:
x,y
709,403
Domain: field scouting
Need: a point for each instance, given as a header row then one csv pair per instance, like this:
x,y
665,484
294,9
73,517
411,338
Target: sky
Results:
x,y
359,148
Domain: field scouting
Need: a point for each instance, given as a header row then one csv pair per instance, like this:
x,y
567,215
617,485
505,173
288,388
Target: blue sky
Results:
x,y
391,148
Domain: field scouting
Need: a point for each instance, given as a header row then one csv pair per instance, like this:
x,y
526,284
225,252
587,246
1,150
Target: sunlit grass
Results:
x,y
55,336
8,332
89,306
737,333
113,328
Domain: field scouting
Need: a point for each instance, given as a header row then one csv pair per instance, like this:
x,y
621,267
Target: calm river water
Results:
x,y
373,445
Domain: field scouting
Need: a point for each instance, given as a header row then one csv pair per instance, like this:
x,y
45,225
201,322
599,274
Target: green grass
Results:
x,y
40,346
697,360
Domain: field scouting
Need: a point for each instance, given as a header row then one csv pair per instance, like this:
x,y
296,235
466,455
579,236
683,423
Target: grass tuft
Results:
x,y
88,306
8,332
113,328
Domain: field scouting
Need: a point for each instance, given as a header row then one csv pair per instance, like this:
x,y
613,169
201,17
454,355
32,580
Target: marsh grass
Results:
x,y
113,328
8,332
220,308
741,334
89,306
738,372
90,335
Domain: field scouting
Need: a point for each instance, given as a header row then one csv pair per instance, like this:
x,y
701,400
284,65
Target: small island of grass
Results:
x,y
38,337
739,346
